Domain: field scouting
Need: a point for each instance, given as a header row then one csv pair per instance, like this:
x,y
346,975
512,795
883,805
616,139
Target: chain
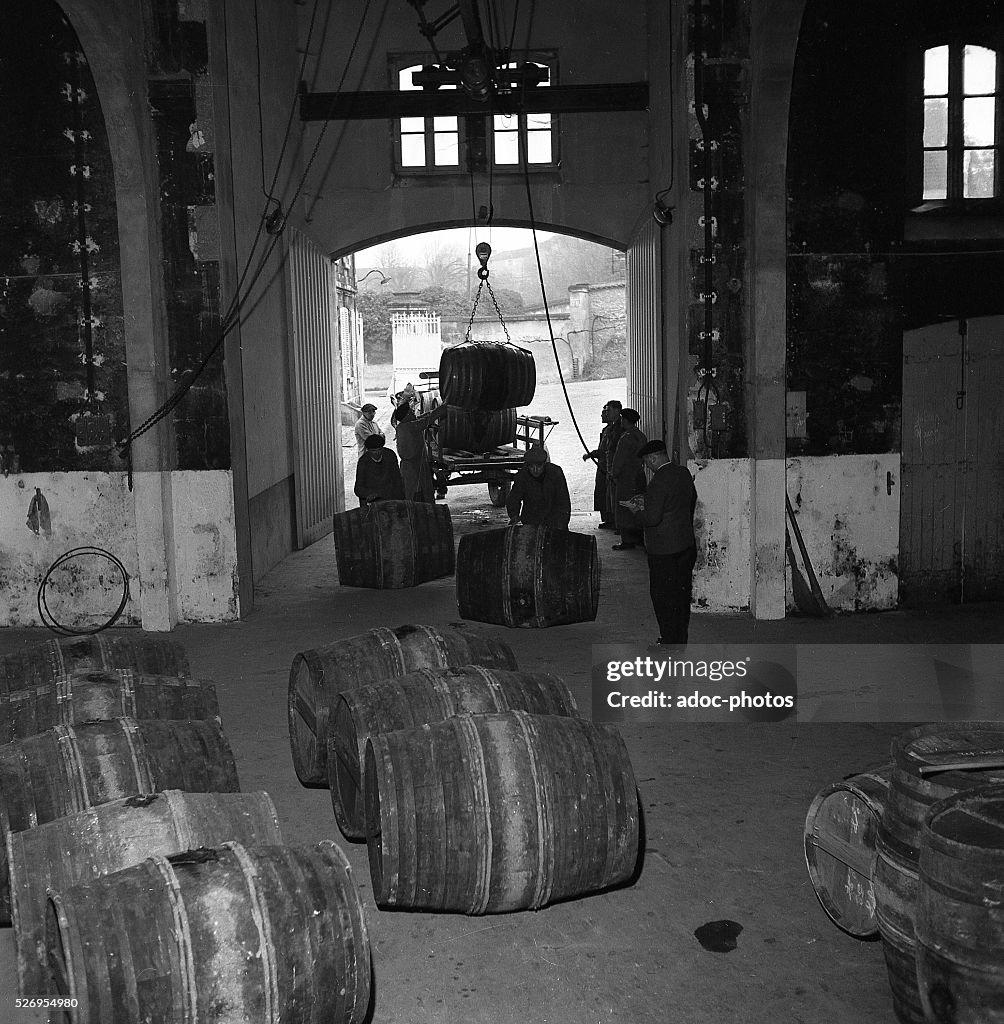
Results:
x,y
499,311
477,298
482,283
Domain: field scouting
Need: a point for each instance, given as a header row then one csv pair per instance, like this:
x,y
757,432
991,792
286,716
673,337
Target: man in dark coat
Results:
x,y
378,476
629,477
539,495
667,513
603,454
414,451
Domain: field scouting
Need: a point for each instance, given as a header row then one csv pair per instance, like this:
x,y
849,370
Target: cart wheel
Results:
x,y
498,491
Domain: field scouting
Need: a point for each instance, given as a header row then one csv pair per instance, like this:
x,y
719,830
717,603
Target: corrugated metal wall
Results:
x,y
644,331
316,385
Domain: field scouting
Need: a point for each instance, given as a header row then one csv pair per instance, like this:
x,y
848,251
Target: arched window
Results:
x,y
962,122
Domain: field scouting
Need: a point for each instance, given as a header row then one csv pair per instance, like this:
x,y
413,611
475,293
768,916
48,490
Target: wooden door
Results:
x,y
951,538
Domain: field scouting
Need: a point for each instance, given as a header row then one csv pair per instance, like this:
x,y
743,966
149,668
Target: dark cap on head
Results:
x,y
374,441
535,454
631,415
651,447
368,405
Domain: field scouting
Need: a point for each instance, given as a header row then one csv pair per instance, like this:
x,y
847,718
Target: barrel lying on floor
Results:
x,y
83,846
497,812
840,831
46,661
71,768
96,695
233,933
421,698
317,676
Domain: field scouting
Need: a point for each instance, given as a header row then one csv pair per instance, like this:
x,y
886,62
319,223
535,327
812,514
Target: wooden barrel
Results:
x,y
267,934
317,676
476,431
546,806
420,698
528,576
47,661
840,830
487,375
71,768
116,835
393,544
930,763
98,695
960,909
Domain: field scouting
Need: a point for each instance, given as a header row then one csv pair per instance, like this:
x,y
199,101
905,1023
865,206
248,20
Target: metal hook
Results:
x,y
483,251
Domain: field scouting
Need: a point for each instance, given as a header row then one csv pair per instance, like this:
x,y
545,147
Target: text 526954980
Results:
x,y
44,1003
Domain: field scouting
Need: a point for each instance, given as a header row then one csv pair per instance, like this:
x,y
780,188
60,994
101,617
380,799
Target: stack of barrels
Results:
x,y
528,576
483,384
142,885
477,787
397,544
913,853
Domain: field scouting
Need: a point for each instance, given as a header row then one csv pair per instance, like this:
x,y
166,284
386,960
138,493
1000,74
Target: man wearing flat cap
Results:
x,y
629,478
666,511
539,495
378,476
366,426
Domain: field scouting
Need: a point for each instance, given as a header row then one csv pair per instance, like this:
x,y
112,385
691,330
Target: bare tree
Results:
x,y
404,277
445,268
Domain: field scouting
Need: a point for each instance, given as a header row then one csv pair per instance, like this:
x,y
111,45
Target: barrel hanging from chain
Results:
x,y
483,375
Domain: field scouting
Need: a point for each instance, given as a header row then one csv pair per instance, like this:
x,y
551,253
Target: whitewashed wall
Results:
x,y
98,509
847,509
722,524
205,546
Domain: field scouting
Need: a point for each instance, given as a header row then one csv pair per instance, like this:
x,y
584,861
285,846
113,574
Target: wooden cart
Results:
x,y
496,468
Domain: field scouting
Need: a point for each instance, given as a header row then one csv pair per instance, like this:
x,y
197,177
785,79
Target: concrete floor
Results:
x,y
724,809
724,805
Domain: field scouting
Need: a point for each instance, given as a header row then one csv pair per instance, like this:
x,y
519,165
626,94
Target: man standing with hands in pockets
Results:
x,y
666,511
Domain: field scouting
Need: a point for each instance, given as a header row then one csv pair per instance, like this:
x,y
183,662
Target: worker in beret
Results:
x,y
666,511
629,478
378,476
539,495
366,425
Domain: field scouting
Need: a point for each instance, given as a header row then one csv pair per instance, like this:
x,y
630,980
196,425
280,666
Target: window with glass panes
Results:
x,y
519,139
962,119
427,141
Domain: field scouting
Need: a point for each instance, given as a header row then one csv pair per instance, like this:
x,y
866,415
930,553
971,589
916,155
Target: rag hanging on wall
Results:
x,y
39,521
483,375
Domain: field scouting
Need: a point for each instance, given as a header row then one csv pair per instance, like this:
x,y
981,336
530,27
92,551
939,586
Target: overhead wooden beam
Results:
x,y
555,99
